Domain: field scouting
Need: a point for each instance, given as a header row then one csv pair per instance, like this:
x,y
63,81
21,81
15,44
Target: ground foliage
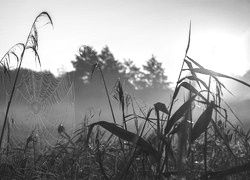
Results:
x,y
191,139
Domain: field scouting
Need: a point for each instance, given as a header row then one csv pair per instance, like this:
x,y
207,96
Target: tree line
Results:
x,y
150,76
143,82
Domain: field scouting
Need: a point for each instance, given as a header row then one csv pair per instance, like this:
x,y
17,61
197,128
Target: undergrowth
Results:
x,y
190,138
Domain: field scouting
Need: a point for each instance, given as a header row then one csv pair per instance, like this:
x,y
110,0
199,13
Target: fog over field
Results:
x,y
125,89
79,101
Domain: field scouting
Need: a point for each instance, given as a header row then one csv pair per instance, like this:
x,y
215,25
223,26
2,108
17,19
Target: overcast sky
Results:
x,y
135,30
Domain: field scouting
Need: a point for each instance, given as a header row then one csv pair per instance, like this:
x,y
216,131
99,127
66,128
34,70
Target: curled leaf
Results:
x,y
161,107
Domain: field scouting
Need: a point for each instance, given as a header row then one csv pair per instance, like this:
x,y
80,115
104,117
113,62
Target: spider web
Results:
x,y
40,104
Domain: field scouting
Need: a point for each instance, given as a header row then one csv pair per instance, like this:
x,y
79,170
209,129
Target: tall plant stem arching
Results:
x,y
165,163
31,43
183,62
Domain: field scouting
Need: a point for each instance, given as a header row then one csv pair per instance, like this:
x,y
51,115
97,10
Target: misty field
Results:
x,y
189,135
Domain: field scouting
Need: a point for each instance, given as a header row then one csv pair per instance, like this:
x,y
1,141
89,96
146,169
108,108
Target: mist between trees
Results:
x,y
148,84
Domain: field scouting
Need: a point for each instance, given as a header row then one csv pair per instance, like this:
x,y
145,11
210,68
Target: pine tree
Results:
x,y
154,75
84,62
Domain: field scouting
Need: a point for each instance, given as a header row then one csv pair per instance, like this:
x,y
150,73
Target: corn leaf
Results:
x,y
202,123
176,91
178,114
125,135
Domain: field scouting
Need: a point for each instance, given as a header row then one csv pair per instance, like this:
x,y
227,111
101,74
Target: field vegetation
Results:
x,y
192,137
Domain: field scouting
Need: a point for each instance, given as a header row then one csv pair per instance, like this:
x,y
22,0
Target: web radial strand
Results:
x,y
37,80
25,88
41,103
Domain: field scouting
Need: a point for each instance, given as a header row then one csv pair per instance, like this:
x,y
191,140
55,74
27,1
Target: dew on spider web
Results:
x,y
40,104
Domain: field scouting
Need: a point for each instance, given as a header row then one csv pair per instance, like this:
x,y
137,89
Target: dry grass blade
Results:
x,y
30,43
206,72
193,61
176,91
120,96
12,51
107,93
46,15
125,135
202,123
147,119
214,74
194,78
191,88
202,68
189,37
93,68
35,51
190,66
32,40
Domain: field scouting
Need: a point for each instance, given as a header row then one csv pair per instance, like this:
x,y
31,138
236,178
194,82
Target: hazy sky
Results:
x,y
135,30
